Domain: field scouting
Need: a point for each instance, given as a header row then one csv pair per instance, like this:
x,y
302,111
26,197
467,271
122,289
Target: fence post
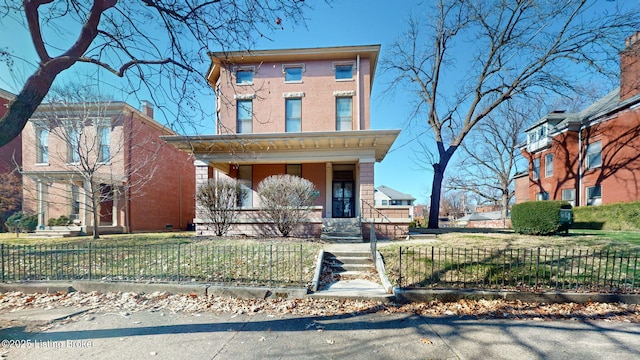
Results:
x,y
400,266
270,264
178,261
301,268
89,253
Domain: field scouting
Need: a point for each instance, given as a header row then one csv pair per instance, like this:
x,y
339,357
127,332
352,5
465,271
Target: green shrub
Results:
x,y
26,222
538,217
61,221
619,216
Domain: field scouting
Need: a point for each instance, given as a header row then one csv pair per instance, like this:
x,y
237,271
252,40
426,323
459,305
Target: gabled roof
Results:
x,y
394,194
6,95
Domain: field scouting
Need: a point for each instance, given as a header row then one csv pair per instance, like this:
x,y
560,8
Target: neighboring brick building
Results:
x,y
10,154
591,157
299,111
146,184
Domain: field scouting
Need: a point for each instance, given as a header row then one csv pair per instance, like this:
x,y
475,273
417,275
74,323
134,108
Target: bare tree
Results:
x,y
158,45
489,157
87,155
219,199
467,57
286,200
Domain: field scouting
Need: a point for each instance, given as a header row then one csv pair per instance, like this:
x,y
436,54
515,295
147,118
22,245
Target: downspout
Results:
x,y
127,200
580,172
358,93
180,199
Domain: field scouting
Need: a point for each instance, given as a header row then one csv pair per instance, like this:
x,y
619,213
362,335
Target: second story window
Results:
x,y
104,144
73,144
293,115
344,72
343,113
536,169
548,165
245,116
42,145
244,77
594,155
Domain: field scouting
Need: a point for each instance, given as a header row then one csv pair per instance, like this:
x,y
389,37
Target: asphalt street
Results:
x,y
163,335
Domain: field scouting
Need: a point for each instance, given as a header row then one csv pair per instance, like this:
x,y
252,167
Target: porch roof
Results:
x,y
289,147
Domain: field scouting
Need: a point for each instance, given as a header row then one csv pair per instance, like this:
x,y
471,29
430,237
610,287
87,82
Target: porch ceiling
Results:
x,y
276,147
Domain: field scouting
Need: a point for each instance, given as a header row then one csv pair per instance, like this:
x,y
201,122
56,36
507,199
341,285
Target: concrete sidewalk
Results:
x,y
160,335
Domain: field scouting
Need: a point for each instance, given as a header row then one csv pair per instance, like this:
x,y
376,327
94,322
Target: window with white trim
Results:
x,y
569,195
293,115
594,155
344,71
73,144
294,169
104,144
293,73
244,116
244,76
245,177
542,195
42,145
594,195
344,113
548,165
536,169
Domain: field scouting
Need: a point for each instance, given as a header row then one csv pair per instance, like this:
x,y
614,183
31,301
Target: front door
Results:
x,y
343,199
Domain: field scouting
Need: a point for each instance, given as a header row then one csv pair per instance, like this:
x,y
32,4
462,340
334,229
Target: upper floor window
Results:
x,y
293,115
104,144
343,113
293,73
538,133
536,169
542,196
73,144
548,165
244,76
42,145
344,71
245,116
594,155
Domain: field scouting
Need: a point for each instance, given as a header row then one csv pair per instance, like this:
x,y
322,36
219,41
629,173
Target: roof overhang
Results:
x,y
300,147
70,175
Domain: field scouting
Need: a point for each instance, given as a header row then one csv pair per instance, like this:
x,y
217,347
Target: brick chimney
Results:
x,y
147,108
630,67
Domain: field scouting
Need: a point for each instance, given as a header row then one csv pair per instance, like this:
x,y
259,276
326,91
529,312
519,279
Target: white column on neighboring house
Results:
x,y
114,211
202,177
329,190
41,220
87,219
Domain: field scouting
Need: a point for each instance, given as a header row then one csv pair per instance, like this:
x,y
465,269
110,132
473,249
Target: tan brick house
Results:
x,y
591,157
298,111
144,184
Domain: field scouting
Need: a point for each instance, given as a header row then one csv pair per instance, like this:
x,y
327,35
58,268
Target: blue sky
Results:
x,y
342,22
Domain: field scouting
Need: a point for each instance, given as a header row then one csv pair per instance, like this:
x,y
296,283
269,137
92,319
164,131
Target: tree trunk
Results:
x,y
436,194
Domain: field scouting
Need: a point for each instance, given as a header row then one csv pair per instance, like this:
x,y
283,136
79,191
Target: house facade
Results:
x,y
394,200
113,150
303,112
11,153
591,157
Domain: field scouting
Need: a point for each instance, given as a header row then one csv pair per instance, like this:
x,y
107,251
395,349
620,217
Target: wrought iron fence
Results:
x,y
537,269
261,265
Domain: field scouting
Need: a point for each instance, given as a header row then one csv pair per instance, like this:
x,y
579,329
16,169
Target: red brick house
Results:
x,y
11,153
144,183
591,157
303,112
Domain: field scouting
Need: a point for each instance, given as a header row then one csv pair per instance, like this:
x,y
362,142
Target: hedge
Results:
x,y
538,217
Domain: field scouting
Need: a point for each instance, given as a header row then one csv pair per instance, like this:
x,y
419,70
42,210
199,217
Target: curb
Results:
x,y
404,296
171,288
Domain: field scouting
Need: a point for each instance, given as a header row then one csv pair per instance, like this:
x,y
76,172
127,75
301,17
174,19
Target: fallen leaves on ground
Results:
x,y
163,301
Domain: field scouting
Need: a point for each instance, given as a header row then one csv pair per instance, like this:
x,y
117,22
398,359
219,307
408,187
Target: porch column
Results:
x,y
329,190
40,197
87,220
114,210
366,184
202,177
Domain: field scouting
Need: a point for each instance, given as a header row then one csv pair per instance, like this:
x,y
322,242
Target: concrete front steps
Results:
x,y
350,274
342,230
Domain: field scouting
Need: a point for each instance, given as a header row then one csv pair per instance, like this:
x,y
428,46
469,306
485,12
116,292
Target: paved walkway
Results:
x,y
165,335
